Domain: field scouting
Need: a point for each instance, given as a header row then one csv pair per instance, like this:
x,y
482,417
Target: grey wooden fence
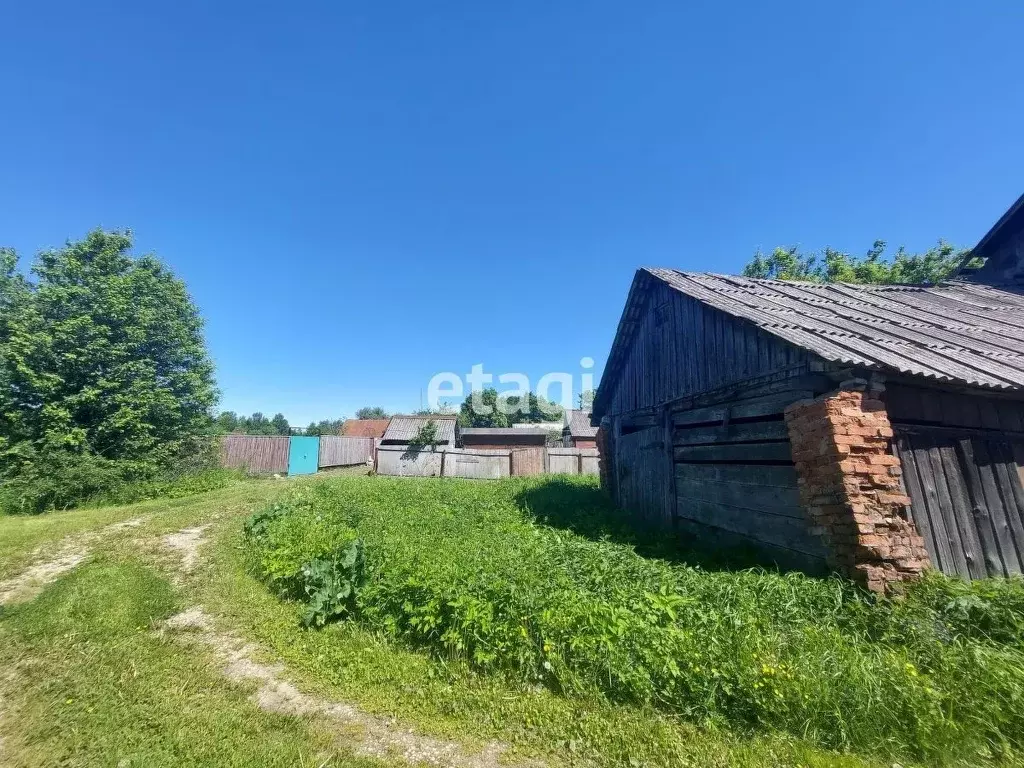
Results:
x,y
338,451
254,453
485,463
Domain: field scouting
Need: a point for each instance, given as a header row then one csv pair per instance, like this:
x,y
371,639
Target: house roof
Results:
x,y
578,424
403,429
958,331
1009,224
364,427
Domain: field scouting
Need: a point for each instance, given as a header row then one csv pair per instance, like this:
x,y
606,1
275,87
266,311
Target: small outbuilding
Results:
x,y
502,438
578,431
874,430
402,430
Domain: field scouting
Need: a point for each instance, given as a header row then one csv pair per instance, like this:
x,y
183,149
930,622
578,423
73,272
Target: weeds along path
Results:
x,y
367,735
69,553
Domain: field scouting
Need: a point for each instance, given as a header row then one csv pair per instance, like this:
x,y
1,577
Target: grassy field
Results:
x,y
91,678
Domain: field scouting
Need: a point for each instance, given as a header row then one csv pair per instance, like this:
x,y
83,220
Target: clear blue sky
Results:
x,y
360,195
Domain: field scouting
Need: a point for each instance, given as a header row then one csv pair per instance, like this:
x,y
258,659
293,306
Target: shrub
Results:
x,y
464,570
302,554
61,479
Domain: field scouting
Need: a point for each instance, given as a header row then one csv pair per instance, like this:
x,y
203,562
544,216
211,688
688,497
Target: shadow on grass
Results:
x,y
590,512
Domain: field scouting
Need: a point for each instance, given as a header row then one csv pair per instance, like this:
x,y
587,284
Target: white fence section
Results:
x,y
345,451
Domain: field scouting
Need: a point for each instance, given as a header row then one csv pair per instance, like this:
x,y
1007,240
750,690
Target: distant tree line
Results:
x,y
229,422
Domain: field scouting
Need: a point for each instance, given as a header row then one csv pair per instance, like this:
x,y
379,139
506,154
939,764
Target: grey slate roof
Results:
x,y
954,332
403,429
579,424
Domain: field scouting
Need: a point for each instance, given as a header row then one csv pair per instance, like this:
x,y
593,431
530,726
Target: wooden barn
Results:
x,y
872,430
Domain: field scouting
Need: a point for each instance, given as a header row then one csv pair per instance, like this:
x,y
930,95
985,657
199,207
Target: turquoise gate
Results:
x,y
303,455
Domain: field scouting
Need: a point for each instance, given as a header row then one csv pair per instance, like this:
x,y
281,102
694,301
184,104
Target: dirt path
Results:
x,y
366,734
70,552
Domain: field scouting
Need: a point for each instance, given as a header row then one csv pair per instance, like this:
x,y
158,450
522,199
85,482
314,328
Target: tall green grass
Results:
x,y
533,579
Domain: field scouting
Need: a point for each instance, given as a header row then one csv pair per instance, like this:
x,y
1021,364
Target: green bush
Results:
x,y
62,479
465,570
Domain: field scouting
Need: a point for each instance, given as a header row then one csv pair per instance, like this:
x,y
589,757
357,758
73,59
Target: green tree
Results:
x,y
280,425
832,266
585,400
325,427
226,422
488,408
102,357
372,412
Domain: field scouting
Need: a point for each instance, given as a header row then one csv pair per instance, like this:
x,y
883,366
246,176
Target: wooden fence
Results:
x,y
485,463
345,451
254,453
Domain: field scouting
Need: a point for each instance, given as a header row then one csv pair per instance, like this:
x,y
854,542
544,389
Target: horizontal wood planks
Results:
x,y
735,479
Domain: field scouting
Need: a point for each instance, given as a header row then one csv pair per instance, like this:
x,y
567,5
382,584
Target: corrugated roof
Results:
x,y
579,424
364,427
955,332
403,429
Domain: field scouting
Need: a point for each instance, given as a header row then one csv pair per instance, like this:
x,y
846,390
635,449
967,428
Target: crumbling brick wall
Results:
x,y
850,486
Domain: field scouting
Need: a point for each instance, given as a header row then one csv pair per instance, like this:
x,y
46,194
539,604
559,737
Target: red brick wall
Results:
x,y
584,442
850,486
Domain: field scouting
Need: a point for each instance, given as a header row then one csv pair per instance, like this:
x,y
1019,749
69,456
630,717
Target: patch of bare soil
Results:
x,y
186,543
372,736
72,551
367,734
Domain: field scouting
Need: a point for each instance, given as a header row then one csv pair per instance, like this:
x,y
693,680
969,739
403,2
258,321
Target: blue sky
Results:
x,y
360,195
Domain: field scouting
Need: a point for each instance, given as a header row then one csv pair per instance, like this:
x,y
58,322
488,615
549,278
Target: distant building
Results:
x,y
402,430
502,438
364,427
578,431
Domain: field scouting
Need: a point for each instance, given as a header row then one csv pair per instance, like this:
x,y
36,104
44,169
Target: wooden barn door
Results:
x,y
644,474
967,499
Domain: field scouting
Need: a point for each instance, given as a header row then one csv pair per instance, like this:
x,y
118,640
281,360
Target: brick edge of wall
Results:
x,y
850,486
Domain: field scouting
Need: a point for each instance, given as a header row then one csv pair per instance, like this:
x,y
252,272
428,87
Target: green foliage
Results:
x,y
488,408
229,422
372,412
494,574
104,375
585,400
303,555
832,266
425,437
325,427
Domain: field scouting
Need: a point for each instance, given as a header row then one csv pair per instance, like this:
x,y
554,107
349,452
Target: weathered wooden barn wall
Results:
x,y
254,453
718,467
338,451
683,347
963,464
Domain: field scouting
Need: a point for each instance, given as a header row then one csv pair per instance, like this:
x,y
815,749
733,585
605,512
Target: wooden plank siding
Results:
x,y
257,454
963,463
338,451
683,347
